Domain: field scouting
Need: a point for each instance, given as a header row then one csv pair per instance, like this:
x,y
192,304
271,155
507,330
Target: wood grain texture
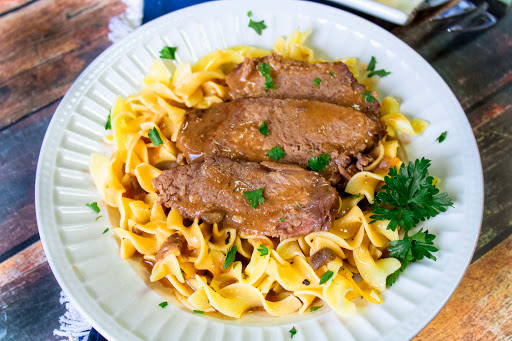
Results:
x,y
473,65
17,175
481,307
7,6
41,60
29,297
492,121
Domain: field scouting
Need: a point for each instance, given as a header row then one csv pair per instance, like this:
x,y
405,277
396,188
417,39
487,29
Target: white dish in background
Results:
x,y
119,303
400,12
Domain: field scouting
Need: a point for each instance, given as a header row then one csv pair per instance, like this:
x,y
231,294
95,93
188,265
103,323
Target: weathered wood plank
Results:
x,y
17,174
481,307
474,65
29,297
12,5
40,61
492,121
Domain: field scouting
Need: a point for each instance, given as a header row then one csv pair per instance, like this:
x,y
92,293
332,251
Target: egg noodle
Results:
x,y
281,281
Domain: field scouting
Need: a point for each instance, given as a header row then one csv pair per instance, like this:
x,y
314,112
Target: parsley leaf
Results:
x,y
200,312
155,137
317,81
255,197
442,137
93,206
108,125
106,230
263,250
380,73
275,153
367,96
98,217
332,74
313,309
281,219
411,249
249,13
372,64
230,257
326,276
265,69
319,163
264,128
163,304
409,196
258,26
293,331
168,52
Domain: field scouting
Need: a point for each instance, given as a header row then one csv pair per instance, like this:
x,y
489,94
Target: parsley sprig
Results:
x,y
154,136
371,67
258,26
255,197
265,69
319,163
442,137
168,52
409,196
230,257
263,250
411,249
276,153
263,128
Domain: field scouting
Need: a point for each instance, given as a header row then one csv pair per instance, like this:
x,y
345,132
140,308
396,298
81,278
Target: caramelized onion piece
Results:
x,y
322,257
173,243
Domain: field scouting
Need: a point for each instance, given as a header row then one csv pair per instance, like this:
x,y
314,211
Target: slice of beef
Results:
x,y
295,79
301,128
297,201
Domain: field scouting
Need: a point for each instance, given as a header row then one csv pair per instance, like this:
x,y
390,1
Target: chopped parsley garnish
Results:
x,y
98,217
409,196
332,74
371,65
155,137
442,137
255,197
297,204
200,312
105,231
263,250
293,331
281,219
367,96
230,257
265,69
108,125
168,52
258,26
326,276
380,73
264,128
317,81
275,153
313,309
319,163
93,206
411,249
163,304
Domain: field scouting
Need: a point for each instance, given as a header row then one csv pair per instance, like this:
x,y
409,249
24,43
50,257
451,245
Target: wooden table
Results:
x,y
45,44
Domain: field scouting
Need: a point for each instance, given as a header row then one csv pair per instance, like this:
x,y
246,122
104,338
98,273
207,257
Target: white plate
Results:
x,y
121,305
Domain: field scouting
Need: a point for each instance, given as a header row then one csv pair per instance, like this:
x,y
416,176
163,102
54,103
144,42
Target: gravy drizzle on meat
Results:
x,y
297,201
296,79
301,128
